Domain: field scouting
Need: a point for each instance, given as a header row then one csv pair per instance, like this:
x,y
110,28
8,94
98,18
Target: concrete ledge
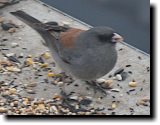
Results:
x,y
27,38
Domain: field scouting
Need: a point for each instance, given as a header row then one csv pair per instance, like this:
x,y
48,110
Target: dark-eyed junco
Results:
x,y
84,54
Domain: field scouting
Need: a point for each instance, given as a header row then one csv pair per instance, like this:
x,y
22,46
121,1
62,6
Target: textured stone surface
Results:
x,y
30,43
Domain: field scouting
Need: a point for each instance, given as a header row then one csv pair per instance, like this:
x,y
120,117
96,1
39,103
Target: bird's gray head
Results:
x,y
106,35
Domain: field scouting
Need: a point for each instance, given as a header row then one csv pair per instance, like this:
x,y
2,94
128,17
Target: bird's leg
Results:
x,y
96,87
62,87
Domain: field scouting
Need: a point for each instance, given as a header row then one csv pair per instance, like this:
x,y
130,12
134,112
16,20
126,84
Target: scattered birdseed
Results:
x,y
113,113
29,61
132,84
30,91
4,49
120,49
131,90
10,54
141,89
109,76
43,65
13,59
46,55
76,85
130,72
32,85
21,55
12,91
107,84
148,69
51,74
3,110
2,44
12,30
113,97
1,19
114,105
60,104
14,44
13,69
85,102
100,80
145,99
119,71
115,90
139,57
128,65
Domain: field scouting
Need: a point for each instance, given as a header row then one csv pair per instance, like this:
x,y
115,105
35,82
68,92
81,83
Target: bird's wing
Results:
x,y
65,43
59,38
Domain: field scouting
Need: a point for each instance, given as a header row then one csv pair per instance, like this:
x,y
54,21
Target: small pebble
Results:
x,y
6,26
119,77
124,75
85,102
21,55
60,83
30,91
54,109
100,80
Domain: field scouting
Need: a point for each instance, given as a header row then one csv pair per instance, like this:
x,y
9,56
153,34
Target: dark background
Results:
x,y
130,18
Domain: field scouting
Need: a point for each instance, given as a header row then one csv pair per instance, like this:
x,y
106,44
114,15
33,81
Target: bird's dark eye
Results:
x,y
105,37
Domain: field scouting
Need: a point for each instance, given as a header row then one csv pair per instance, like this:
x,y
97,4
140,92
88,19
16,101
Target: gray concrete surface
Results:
x,y
26,37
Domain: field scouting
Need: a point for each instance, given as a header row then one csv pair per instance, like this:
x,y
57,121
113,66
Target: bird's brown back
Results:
x,y
68,37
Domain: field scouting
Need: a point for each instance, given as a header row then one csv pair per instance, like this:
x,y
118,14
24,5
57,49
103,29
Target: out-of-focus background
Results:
x,y
131,18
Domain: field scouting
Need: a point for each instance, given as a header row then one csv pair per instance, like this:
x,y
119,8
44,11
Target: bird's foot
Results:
x,y
96,87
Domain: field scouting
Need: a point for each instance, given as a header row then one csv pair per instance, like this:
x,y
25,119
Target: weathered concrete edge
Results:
x,y
89,26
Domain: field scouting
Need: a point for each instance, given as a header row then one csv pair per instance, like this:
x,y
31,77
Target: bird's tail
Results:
x,y
25,17
36,25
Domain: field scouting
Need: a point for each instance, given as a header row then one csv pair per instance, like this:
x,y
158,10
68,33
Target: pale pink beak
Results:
x,y
117,38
